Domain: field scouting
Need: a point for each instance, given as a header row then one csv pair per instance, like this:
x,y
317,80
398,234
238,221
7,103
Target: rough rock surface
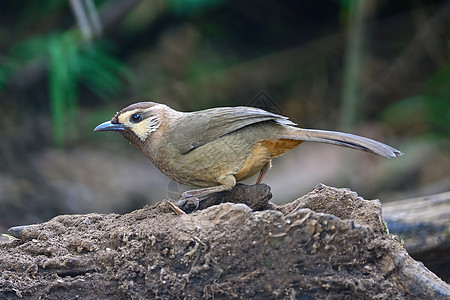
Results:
x,y
328,244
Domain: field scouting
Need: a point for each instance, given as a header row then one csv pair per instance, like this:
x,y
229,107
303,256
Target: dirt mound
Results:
x,y
328,244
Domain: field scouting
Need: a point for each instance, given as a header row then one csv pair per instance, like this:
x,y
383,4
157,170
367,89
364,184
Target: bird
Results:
x,y
213,149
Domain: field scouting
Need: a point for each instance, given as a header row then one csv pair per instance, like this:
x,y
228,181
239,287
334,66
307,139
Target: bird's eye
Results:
x,y
136,118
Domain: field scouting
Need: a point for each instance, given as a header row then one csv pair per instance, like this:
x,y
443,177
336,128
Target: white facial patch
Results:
x,y
145,127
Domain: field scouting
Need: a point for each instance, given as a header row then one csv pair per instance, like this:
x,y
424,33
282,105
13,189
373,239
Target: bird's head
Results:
x,y
136,122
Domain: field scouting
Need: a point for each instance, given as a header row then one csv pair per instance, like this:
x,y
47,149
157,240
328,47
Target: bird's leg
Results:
x,y
227,182
263,171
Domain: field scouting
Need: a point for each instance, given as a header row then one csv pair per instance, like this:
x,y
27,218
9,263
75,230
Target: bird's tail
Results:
x,y
345,140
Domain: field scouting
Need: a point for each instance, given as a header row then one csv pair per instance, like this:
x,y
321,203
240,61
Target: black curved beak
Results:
x,y
108,126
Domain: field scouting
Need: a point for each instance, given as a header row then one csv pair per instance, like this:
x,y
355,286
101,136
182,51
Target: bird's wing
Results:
x,y
201,127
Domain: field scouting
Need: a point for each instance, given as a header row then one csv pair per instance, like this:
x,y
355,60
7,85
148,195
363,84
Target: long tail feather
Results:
x,y
346,140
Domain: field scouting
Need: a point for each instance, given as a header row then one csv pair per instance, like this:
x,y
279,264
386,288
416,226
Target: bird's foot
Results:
x,y
188,202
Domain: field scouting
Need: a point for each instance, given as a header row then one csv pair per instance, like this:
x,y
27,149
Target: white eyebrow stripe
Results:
x,y
151,108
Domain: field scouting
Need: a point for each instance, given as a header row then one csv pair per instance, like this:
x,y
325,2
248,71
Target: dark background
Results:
x,y
375,68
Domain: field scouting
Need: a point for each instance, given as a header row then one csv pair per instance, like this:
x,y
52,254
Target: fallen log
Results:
x,y
423,224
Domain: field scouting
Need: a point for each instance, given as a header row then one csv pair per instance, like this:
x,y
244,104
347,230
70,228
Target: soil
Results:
x,y
328,244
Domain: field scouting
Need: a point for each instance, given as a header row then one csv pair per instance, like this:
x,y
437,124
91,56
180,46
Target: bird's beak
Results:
x,y
108,126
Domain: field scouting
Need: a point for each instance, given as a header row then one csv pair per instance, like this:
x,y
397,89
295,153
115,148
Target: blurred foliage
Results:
x,y
427,112
185,51
439,88
190,7
69,64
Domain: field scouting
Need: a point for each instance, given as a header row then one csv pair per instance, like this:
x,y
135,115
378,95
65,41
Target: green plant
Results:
x,y
428,112
69,64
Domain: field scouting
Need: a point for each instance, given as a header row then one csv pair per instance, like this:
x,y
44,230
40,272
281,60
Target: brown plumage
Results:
x,y
212,149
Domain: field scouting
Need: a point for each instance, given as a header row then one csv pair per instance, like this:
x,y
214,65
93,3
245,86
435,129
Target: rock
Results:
x,y
328,244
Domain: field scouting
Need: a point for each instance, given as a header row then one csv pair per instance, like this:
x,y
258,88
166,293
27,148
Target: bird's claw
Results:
x,y
186,201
